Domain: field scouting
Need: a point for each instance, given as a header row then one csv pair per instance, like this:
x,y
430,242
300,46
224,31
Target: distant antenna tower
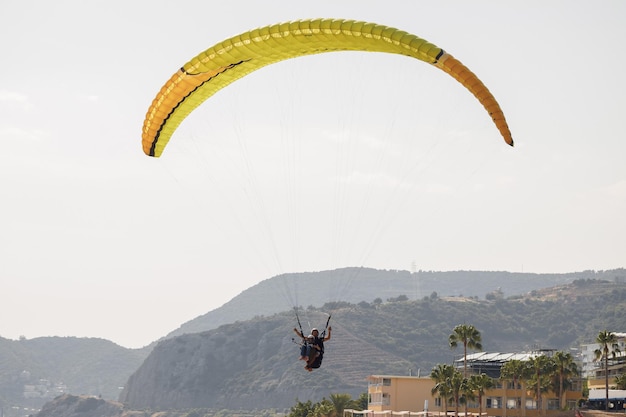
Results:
x,y
413,267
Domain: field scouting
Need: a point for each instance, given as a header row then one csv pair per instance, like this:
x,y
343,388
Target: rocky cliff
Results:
x,y
213,369
84,406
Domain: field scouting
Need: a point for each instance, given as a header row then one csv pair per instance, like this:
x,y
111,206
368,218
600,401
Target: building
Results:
x,y
411,396
594,370
406,393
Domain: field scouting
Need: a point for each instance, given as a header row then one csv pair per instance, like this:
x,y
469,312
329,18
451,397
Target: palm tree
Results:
x,y
565,368
470,337
442,374
479,384
468,390
323,408
541,367
608,347
302,409
360,403
515,371
340,402
620,381
457,384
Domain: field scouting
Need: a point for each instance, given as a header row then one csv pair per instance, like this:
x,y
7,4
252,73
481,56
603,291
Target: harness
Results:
x,y
322,335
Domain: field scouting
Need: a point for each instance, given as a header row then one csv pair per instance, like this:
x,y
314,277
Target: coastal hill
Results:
x,y
283,292
253,364
34,371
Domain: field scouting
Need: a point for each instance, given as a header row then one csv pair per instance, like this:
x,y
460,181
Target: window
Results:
x,y
513,403
553,404
577,385
531,404
386,382
570,404
494,402
374,382
376,398
438,402
472,404
386,399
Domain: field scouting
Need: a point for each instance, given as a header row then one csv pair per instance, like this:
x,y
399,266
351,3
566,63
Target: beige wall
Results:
x,y
405,393
599,383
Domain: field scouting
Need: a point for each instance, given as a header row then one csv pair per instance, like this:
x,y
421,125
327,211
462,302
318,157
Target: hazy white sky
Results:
x,y
312,164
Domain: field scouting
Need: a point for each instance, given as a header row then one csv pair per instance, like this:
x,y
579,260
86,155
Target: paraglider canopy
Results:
x,y
231,59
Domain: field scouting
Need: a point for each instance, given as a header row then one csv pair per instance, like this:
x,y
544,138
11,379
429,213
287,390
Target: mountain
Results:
x,y
84,405
34,371
253,364
354,285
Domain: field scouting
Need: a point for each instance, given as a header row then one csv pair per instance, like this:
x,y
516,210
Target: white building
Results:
x,y
589,365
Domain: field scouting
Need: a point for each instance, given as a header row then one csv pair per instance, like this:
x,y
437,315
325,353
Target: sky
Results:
x,y
311,164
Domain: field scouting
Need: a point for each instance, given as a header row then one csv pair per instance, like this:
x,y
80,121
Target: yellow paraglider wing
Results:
x,y
233,58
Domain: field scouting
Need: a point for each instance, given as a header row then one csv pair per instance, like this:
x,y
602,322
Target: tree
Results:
x,y
620,381
608,347
457,385
329,408
541,368
565,369
516,371
468,391
323,408
470,337
340,402
398,299
442,374
361,402
479,384
302,409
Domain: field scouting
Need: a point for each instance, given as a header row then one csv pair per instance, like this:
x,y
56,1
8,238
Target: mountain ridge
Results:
x,y
356,284
92,366
253,364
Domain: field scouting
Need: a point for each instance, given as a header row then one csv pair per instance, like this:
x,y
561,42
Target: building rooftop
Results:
x,y
498,358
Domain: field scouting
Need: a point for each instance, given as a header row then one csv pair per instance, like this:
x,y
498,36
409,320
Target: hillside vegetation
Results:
x,y
253,364
365,284
33,371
